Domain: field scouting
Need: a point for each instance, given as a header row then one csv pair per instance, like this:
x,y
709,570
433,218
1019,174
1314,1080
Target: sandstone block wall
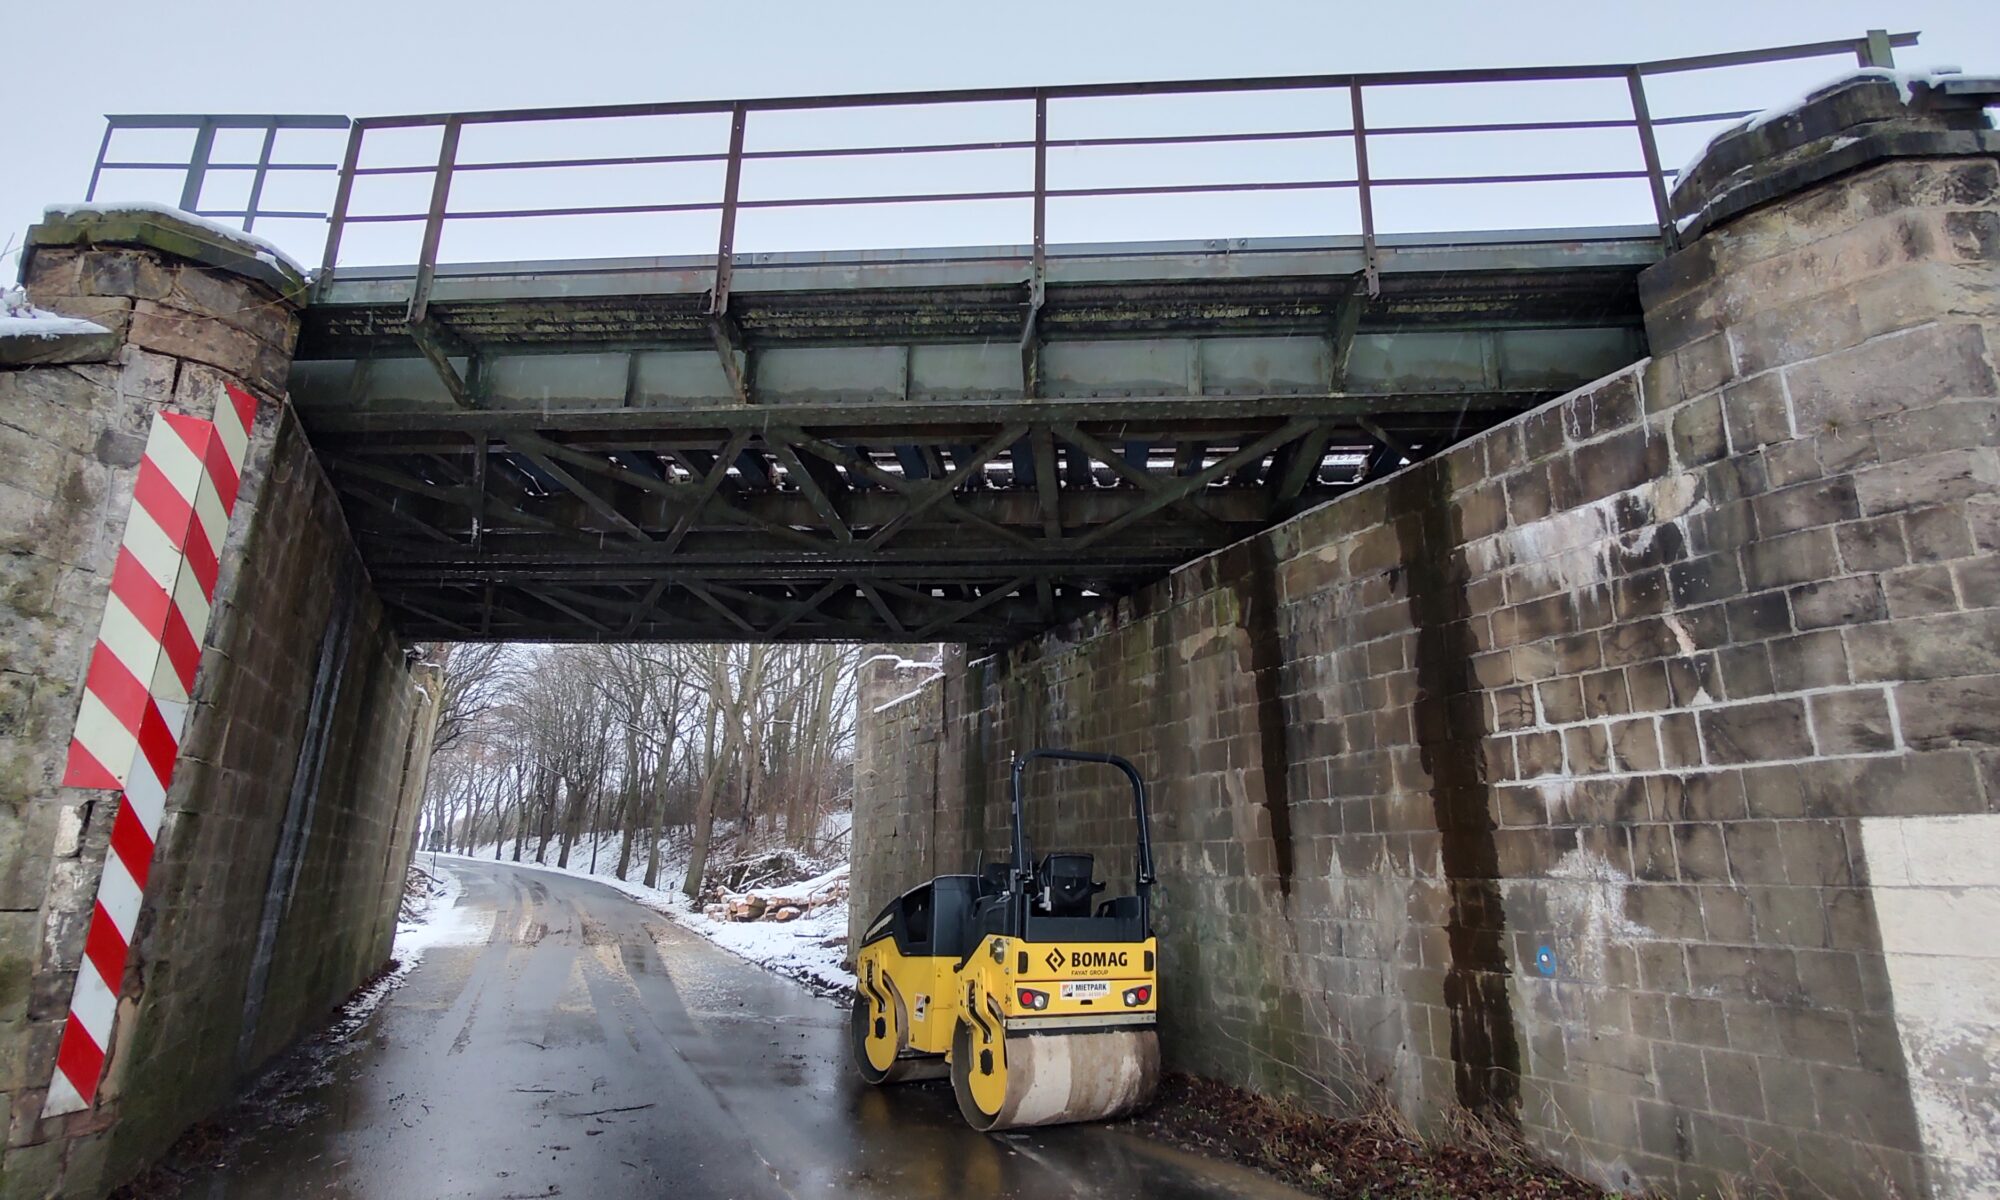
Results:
x,y
1630,773
898,743
291,812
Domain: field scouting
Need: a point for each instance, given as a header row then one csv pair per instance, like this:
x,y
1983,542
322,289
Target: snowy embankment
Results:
x,y
811,948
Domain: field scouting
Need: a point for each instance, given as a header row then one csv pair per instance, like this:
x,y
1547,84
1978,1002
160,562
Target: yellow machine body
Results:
x,y
1032,1033
1040,1008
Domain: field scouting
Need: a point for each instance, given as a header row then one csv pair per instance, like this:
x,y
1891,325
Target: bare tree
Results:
x,y
653,746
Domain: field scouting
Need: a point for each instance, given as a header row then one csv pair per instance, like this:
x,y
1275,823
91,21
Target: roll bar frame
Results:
x,y
1023,866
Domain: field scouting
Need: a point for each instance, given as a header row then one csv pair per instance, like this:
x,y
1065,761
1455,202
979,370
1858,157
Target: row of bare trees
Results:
x,y
672,749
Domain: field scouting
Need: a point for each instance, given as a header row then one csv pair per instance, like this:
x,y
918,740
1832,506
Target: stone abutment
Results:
x,y
1630,773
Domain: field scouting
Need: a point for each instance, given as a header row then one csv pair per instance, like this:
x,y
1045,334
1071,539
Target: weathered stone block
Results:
x,y
1704,365
1820,502
1978,581
1756,732
1801,557
1935,647
1919,591
1853,722
1756,412
1951,712
1851,600
1937,534
1893,373
1699,433
1788,463
1601,408
1786,333
1618,463
1604,693
1746,671
1874,544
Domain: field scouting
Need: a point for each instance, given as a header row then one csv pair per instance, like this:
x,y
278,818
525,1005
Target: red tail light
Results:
x,y
1138,995
1032,999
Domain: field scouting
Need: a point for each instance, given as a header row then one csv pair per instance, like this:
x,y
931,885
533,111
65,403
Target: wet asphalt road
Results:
x,y
591,1048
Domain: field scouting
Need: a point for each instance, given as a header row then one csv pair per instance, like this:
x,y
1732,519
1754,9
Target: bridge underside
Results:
x,y
905,445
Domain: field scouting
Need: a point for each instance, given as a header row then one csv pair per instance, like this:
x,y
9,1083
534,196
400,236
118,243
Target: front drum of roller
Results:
x,y
1052,1078
885,1057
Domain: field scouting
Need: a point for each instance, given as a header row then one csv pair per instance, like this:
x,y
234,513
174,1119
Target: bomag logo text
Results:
x,y
1096,958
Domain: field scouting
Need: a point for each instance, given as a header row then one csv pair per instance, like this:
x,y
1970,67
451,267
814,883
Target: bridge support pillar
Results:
x,y
204,809
1628,774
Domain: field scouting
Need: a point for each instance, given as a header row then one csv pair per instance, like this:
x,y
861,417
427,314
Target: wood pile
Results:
x,y
781,902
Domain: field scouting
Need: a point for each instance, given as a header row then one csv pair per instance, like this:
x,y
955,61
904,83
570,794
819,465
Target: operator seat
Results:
x,y
1066,885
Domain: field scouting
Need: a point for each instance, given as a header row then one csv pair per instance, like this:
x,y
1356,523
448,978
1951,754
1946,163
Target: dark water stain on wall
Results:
x,y
1258,597
1450,721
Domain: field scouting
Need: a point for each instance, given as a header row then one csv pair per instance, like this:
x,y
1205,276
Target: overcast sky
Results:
x,y
367,57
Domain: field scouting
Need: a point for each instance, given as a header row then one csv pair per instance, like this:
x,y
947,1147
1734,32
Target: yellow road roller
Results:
x,y
1037,998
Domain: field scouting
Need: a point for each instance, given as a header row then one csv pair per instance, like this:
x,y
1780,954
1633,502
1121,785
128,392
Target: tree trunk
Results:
x,y
547,787
704,819
659,809
572,817
630,791
725,703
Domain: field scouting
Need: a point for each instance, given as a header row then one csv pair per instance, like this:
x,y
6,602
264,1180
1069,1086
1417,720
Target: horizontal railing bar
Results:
x,y
1003,145
182,166
1178,189
901,198
1150,88
864,151
1744,58
1697,118
226,121
630,160
967,147
485,214
277,213
954,147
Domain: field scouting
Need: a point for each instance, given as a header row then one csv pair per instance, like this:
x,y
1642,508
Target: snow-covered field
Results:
x,y
810,949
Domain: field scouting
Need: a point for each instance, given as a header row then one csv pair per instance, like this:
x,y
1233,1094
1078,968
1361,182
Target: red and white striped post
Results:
x,y
136,696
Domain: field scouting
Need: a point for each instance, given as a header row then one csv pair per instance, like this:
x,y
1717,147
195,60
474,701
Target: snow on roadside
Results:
x,y
430,919
810,949
442,922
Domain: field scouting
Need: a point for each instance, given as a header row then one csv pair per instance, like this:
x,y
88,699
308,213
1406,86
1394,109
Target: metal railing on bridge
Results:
x,y
1375,192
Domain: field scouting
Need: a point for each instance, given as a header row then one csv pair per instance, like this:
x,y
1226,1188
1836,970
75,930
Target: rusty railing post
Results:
x,y
197,172
732,184
420,295
1642,120
343,194
1371,261
1875,49
97,168
1037,280
257,180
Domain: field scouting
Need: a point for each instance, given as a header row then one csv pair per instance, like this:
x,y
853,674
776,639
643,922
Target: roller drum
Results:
x,y
1054,1078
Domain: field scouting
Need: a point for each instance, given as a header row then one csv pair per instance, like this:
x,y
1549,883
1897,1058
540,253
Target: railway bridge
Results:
x,y
1554,592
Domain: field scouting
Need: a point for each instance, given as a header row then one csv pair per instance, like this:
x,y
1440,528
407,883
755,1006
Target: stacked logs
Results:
x,y
785,902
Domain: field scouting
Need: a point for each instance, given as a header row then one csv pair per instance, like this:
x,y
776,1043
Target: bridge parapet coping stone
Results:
x,y
169,286
1844,126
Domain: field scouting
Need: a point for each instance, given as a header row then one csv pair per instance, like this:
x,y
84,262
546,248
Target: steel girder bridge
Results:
x,y
966,444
